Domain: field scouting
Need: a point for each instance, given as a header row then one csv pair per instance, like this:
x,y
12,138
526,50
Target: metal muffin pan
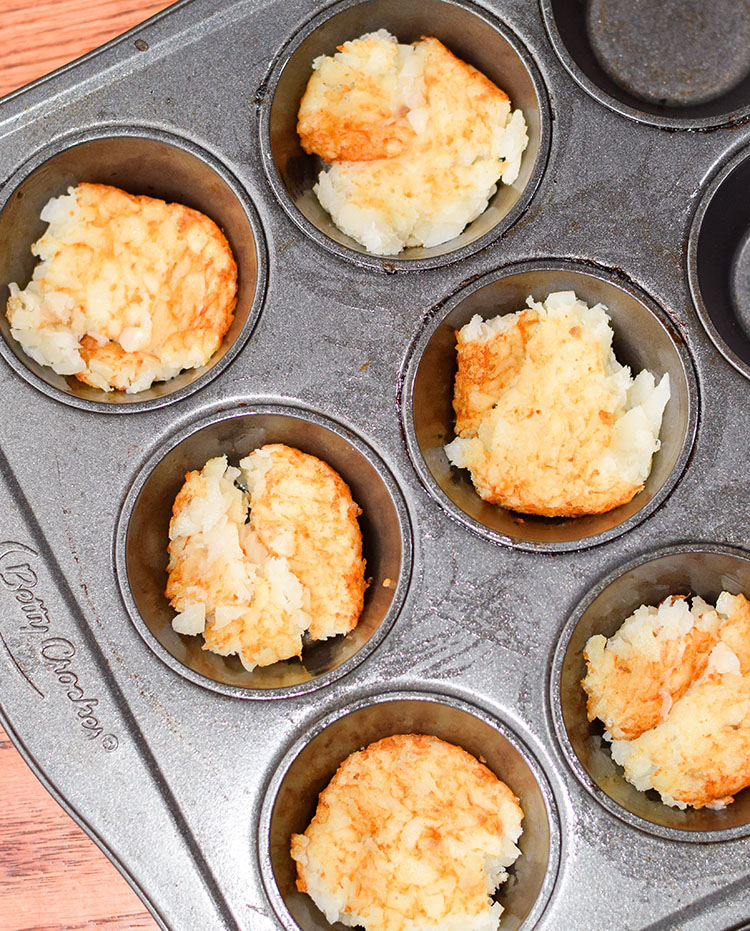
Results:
x,y
140,161
644,339
679,63
122,730
471,33
700,569
719,261
144,525
308,766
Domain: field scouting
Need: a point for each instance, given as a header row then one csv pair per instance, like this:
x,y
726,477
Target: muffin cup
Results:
x,y
143,536
719,261
700,569
471,34
138,160
683,65
644,339
308,766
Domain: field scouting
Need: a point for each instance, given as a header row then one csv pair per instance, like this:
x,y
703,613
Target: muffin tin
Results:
x,y
474,620
472,35
144,161
292,794
144,525
644,339
700,569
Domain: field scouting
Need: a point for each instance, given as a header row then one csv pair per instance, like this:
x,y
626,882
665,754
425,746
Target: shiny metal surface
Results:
x,y
700,569
644,338
719,261
678,63
471,33
166,765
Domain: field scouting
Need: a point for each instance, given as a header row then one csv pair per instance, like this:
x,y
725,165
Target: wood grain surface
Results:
x,y
42,35
52,876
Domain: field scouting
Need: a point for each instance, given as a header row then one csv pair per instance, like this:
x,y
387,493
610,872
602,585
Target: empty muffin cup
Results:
x,y
644,338
474,36
308,766
143,536
678,63
141,161
702,569
719,261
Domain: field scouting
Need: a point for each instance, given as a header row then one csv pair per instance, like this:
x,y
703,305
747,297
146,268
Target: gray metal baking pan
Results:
x,y
191,775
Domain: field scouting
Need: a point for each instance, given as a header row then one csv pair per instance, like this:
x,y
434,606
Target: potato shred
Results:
x,y
130,290
672,688
260,554
417,141
412,833
547,420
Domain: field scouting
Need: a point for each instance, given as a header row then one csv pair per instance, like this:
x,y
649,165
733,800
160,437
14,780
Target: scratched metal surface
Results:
x,y
169,777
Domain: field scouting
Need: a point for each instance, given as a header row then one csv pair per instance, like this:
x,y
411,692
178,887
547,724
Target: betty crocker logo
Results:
x,y
19,578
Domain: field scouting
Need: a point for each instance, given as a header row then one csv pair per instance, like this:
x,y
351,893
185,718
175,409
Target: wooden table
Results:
x,y
52,876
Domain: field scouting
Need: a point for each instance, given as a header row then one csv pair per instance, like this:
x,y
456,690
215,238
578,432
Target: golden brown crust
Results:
x,y
698,753
401,832
183,273
353,121
532,401
640,689
338,131
464,78
347,110
305,496
296,564
486,370
460,99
